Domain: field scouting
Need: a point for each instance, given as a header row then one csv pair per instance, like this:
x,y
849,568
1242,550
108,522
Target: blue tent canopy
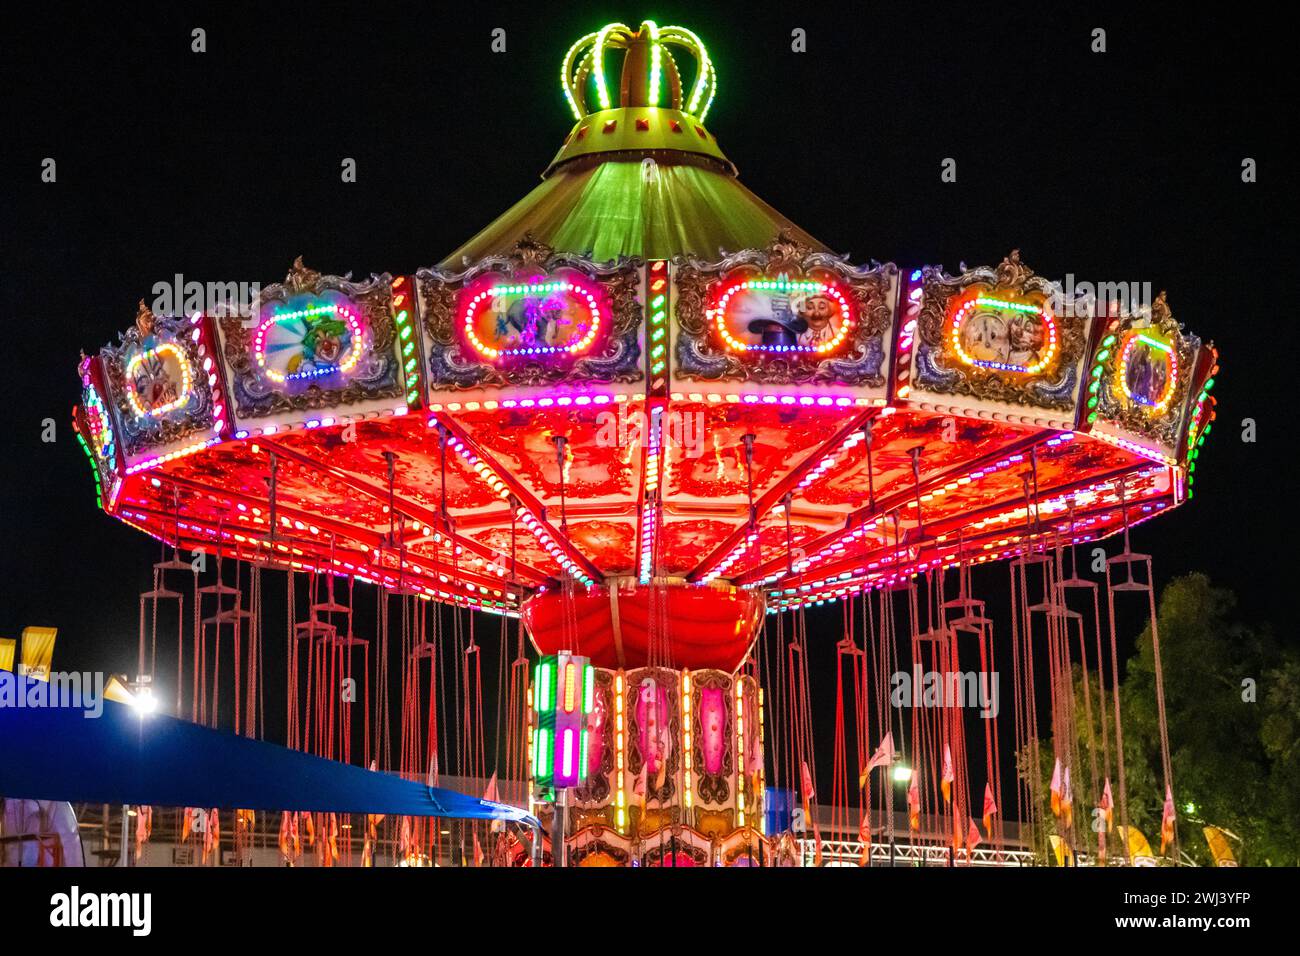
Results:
x,y
123,757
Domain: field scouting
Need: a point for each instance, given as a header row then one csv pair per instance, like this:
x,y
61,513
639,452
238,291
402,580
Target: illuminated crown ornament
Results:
x,y
657,107
649,69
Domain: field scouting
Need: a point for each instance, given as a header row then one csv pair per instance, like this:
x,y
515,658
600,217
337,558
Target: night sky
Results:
x,y
223,166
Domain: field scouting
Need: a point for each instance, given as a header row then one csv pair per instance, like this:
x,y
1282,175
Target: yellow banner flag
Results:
x,y
1139,850
1219,848
38,652
7,645
116,690
1061,850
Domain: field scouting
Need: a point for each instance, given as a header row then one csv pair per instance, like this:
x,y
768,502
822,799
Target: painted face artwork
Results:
x,y
547,316
820,313
780,315
1008,336
157,379
1026,338
322,344
985,338
154,384
1018,340
319,340
1146,373
532,322
771,318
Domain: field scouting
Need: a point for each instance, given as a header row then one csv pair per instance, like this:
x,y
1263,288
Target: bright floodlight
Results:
x,y
144,703
902,773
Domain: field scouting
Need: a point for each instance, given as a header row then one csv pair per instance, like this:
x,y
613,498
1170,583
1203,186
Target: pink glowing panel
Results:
x,y
679,858
713,728
596,732
652,719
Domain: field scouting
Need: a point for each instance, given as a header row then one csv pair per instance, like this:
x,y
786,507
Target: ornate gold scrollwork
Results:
x,y
451,364
938,370
860,361
1116,407
253,399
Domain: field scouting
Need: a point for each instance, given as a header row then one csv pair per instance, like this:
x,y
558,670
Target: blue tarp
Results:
x,y
121,757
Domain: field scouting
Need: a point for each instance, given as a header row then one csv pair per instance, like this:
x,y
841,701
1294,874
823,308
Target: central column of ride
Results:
x,y
673,746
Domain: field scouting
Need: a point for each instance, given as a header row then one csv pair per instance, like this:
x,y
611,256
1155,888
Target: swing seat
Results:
x,y
330,607
160,594
219,588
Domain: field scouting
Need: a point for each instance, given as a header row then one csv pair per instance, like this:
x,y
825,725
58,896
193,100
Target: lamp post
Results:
x,y
144,704
563,696
899,773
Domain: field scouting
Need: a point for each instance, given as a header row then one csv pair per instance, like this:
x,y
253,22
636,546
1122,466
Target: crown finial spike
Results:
x,y
649,76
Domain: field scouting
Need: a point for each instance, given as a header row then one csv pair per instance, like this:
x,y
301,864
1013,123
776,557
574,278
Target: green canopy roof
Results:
x,y
619,207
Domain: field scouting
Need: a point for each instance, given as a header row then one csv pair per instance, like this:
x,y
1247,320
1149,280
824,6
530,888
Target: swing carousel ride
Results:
x,y
644,415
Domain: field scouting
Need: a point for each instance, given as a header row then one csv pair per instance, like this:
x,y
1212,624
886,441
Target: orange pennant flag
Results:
x,y
372,837
404,838
1067,801
286,838
990,807
492,793
1107,805
1167,821
330,840
914,803
212,835
948,777
143,828
808,790
883,757
1056,788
